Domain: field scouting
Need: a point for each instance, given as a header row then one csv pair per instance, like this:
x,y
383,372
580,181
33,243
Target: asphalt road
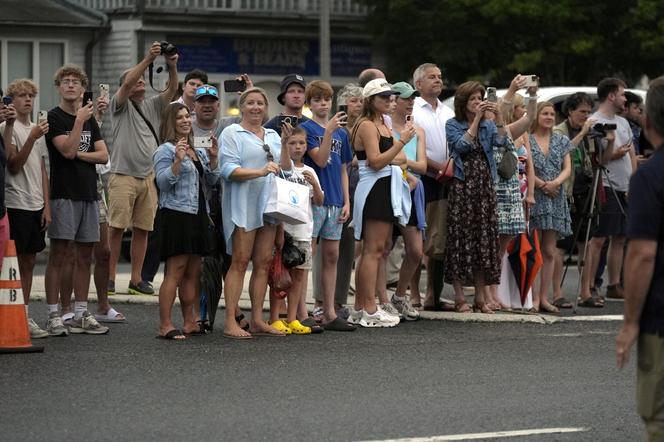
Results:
x,y
418,380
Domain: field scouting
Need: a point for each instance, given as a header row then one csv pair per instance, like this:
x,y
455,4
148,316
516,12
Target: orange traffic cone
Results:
x,y
14,333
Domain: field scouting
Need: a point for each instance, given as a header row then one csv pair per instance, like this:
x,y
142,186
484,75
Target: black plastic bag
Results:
x,y
291,256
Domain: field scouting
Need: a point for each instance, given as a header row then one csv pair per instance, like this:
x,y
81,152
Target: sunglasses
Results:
x,y
268,154
207,90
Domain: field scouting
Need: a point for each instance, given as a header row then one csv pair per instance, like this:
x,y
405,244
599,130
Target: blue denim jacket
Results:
x,y
488,137
180,192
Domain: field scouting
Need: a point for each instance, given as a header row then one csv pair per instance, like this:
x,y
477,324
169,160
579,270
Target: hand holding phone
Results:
x,y
531,81
343,108
87,97
491,95
42,116
104,90
7,100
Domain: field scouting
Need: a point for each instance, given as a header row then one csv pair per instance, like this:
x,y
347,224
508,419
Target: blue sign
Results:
x,y
275,56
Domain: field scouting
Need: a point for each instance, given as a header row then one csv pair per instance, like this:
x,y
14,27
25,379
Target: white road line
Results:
x,y
588,318
493,435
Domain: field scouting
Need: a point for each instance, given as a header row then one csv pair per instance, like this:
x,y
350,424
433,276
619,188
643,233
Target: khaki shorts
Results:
x,y
103,206
436,232
650,385
132,202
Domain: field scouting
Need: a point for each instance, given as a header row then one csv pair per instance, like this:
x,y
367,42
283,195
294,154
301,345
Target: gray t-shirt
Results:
x,y
222,124
618,171
133,142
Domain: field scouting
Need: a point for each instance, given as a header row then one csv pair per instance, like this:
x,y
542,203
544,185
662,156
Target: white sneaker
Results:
x,y
354,316
55,327
378,319
88,324
405,308
390,310
35,331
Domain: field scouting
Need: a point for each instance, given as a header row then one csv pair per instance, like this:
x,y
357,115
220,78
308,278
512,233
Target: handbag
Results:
x,y
508,163
288,201
447,172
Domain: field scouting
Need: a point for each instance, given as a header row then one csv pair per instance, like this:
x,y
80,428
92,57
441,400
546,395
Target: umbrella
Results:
x,y
211,277
525,259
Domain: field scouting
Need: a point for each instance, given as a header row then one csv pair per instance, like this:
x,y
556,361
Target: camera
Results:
x,y
600,129
290,119
168,48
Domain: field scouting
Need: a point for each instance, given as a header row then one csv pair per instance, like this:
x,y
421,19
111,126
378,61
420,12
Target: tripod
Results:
x,y
591,211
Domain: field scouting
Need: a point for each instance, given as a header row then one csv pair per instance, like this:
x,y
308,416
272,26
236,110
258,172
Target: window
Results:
x,y
34,59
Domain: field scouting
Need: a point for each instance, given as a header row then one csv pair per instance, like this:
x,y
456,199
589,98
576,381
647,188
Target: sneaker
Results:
x,y
35,331
317,314
378,319
142,288
88,324
405,308
54,326
354,316
390,310
111,288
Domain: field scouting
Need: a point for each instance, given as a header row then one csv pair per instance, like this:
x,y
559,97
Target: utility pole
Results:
x,y
324,40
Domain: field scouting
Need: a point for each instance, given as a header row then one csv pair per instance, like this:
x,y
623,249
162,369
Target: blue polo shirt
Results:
x,y
645,220
340,154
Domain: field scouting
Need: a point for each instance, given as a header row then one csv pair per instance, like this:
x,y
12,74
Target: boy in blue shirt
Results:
x,y
328,153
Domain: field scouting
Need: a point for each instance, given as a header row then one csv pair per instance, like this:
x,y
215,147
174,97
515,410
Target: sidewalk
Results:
x,y
122,297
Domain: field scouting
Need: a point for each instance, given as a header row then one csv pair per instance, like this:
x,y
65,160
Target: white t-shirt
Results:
x,y
24,189
433,124
618,171
302,232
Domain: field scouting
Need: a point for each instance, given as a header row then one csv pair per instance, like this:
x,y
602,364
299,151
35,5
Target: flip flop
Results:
x,y
239,318
562,303
237,337
111,316
173,335
274,334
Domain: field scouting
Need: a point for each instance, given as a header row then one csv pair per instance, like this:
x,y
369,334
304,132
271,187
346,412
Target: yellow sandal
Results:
x,y
298,329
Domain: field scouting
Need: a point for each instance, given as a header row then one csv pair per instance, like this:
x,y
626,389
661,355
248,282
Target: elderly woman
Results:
x,y
550,214
471,254
250,156
182,172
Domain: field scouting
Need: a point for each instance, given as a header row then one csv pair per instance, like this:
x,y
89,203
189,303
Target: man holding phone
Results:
x,y
26,186
292,100
132,192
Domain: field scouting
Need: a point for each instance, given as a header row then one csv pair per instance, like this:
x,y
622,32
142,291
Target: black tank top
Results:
x,y
384,145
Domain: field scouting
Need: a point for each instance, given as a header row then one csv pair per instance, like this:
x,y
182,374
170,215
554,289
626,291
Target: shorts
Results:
x,y
650,384
132,202
304,247
26,230
326,222
74,220
436,233
612,221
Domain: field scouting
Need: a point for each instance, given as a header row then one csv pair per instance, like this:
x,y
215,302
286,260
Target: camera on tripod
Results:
x,y
168,49
600,129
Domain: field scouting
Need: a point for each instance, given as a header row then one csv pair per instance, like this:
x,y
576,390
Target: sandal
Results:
x,y
297,328
173,335
562,302
309,322
591,302
548,308
482,307
462,307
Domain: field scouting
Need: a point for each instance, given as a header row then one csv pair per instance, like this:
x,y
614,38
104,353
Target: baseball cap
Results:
x,y
287,81
206,91
378,86
405,90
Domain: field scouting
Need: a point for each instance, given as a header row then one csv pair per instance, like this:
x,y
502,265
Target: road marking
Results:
x,y
493,435
588,318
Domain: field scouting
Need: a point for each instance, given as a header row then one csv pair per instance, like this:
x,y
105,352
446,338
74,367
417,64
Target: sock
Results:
x,y
53,308
399,298
79,309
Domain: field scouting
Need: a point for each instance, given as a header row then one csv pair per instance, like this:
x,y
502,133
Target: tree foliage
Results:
x,y
565,42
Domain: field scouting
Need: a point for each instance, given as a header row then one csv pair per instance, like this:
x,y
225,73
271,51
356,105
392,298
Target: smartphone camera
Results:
x,y
42,116
491,95
235,86
532,80
87,97
7,100
290,119
343,108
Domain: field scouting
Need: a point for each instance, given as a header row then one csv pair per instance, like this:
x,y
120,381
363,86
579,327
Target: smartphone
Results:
x,y
7,100
343,108
235,85
532,80
409,118
290,119
87,96
42,116
203,142
104,89
491,95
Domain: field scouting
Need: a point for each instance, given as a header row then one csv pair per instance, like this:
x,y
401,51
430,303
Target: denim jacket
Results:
x,y
180,192
487,135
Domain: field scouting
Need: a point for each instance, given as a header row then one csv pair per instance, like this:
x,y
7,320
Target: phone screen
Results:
x,y
87,96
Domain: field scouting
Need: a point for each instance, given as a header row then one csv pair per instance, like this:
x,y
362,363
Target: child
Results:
x,y
301,233
328,153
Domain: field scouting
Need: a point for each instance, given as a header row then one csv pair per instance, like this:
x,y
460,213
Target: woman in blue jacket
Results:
x,y
182,174
472,248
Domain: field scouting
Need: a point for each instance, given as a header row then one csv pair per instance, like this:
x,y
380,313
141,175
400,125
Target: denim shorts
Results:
x,y
326,222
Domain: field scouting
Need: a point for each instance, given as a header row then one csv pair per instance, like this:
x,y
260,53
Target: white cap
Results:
x,y
378,86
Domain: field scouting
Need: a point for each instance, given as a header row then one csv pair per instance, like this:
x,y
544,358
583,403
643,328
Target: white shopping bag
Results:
x,y
288,202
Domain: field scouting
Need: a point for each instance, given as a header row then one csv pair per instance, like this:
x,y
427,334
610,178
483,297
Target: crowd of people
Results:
x,y
388,165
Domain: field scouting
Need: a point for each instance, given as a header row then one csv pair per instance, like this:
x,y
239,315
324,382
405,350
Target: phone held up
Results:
x,y
531,81
204,142
87,97
7,100
290,119
104,90
491,95
235,85
343,108
42,116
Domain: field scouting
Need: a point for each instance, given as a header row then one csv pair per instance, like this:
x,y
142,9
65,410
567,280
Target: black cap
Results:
x,y
287,81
